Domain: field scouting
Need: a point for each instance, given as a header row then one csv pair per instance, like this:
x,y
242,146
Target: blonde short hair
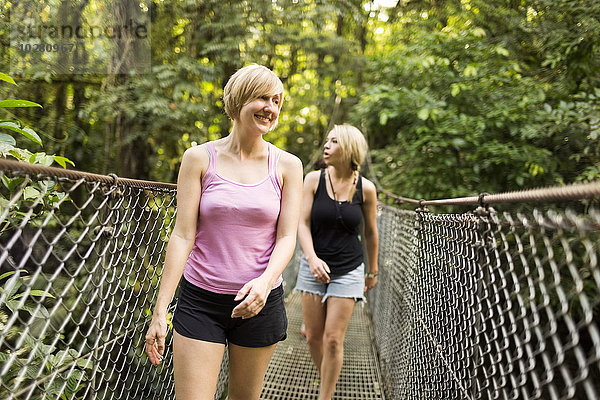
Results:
x,y
352,144
249,83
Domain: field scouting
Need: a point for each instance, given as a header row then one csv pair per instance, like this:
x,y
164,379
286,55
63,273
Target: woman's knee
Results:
x,y
314,338
333,343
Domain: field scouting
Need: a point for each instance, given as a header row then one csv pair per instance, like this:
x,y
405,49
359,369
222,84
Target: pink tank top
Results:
x,y
236,229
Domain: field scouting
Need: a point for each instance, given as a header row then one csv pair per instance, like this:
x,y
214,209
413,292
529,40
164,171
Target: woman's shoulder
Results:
x,y
368,187
288,160
313,176
197,150
196,156
311,180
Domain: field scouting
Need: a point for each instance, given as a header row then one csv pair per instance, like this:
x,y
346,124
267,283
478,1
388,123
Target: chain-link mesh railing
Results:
x,y
488,305
480,305
80,261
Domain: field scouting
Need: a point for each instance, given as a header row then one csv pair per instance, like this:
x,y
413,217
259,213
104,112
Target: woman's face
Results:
x,y
331,151
260,114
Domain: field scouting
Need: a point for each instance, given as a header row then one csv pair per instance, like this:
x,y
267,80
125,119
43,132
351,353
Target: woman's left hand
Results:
x,y
370,283
256,292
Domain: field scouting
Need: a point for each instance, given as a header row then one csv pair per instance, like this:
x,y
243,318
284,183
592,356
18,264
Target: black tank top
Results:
x,y
335,227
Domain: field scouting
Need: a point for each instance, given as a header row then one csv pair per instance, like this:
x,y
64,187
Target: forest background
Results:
x,y
456,97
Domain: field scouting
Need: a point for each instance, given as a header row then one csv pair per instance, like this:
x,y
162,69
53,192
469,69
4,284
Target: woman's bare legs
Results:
x,y
247,368
313,313
339,312
196,366
326,326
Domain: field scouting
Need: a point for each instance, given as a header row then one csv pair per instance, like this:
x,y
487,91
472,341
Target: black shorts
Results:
x,y
204,315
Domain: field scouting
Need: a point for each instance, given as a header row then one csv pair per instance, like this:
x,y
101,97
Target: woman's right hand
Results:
x,y
319,269
155,338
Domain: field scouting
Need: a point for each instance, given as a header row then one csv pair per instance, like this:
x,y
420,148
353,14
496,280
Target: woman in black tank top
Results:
x,y
337,201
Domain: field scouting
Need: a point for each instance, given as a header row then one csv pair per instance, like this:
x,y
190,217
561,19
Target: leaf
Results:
x,y
85,363
423,114
25,131
65,357
30,193
39,293
62,161
33,371
520,181
32,135
6,78
459,142
6,148
42,293
41,158
470,70
11,183
478,32
74,382
12,305
42,350
7,274
18,103
4,357
12,289
4,203
502,51
454,89
383,118
7,139
16,153
42,312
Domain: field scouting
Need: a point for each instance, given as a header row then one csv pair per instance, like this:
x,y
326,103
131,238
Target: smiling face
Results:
x,y
260,114
256,90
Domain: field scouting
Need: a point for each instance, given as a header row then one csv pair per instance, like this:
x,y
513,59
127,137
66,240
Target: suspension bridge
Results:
x,y
498,300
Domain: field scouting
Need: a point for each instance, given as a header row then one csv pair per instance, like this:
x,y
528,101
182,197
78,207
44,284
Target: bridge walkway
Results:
x,y
292,374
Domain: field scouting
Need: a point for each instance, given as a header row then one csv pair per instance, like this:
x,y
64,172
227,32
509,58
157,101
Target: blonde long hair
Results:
x,y
354,149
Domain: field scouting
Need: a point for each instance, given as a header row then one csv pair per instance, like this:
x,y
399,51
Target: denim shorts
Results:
x,y
349,285
204,315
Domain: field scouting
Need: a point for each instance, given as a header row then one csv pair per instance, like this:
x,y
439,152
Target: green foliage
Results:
x,y
463,105
34,357
138,125
8,144
458,97
17,194
30,356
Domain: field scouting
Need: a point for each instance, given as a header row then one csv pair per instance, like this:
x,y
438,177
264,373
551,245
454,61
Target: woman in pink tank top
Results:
x,y
238,206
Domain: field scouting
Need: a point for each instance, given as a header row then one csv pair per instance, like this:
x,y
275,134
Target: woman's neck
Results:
x,y
244,145
340,173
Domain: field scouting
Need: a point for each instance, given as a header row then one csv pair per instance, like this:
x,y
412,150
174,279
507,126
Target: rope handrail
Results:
x,y
13,165
576,191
